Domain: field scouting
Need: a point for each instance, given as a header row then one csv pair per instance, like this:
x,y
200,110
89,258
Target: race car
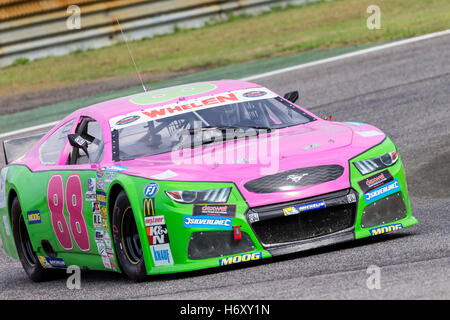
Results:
x,y
197,176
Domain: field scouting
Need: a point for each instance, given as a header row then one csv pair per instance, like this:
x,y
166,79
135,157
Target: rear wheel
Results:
x,y
28,258
126,239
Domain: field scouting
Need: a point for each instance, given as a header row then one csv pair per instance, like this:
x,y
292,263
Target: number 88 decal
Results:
x,y
74,204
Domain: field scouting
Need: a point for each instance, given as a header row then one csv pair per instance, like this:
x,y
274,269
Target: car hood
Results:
x,y
319,144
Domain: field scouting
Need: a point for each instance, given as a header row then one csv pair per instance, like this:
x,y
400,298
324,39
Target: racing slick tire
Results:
x,y
126,240
27,256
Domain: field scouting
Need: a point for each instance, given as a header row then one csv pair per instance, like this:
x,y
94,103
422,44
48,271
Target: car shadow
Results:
x,y
105,276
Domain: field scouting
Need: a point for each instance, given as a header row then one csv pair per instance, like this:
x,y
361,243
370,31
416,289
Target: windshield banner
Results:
x,y
185,106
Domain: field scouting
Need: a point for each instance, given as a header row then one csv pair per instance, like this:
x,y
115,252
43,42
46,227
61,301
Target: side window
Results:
x,y
95,149
51,149
90,130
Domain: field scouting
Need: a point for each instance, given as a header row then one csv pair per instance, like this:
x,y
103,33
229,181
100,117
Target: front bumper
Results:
x,y
332,221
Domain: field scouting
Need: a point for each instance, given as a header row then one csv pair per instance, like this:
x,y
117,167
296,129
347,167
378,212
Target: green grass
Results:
x,y
20,62
319,26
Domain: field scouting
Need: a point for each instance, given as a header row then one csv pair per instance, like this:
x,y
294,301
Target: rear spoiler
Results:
x,y
15,148
15,144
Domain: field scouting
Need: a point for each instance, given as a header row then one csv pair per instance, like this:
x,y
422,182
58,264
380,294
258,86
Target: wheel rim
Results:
x,y
25,242
130,237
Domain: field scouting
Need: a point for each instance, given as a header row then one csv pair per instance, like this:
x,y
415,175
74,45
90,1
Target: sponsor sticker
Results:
x,y
375,181
52,263
90,197
254,94
157,234
106,262
149,207
101,197
91,185
97,220
184,106
100,172
161,254
240,258
109,176
101,185
253,217
383,191
228,210
304,208
154,220
207,222
127,120
99,235
34,217
389,228
96,207
102,249
151,189
107,239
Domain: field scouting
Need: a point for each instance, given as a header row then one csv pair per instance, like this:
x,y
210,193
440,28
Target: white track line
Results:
x,y
349,55
289,69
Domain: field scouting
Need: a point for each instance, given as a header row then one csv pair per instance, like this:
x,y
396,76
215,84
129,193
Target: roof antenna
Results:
x,y
131,55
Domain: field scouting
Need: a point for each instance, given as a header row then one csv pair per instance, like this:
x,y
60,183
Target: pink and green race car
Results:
x,y
196,176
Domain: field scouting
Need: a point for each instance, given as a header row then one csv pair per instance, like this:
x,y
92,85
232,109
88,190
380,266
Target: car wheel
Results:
x,y
27,256
126,240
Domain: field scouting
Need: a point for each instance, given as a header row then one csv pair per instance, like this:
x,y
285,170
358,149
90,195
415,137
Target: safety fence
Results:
x,y
36,29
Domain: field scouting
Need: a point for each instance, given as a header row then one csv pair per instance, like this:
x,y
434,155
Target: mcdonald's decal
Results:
x,y
149,207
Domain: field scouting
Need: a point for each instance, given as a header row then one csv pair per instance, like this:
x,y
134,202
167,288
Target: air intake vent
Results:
x,y
295,179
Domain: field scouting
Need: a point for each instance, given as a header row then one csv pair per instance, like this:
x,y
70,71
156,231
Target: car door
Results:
x,y
71,193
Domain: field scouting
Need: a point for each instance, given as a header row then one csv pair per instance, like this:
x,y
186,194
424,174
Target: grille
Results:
x,y
295,179
305,225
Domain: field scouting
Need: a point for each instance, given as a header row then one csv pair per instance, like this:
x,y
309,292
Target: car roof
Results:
x,y
116,107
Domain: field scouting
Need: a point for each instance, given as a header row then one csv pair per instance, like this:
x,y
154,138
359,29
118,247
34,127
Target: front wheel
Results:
x,y
28,258
126,240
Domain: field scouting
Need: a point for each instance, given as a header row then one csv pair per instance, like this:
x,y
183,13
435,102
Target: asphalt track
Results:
x,y
404,91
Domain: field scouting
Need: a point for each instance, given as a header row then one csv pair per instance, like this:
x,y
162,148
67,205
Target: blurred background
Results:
x,y
66,54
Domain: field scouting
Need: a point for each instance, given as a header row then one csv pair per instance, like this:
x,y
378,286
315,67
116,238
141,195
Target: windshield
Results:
x,y
175,132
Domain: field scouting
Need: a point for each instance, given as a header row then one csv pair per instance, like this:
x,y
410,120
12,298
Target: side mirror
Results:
x,y
78,141
292,96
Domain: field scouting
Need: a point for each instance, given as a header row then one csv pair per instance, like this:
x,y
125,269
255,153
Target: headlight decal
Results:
x,y
378,163
200,196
